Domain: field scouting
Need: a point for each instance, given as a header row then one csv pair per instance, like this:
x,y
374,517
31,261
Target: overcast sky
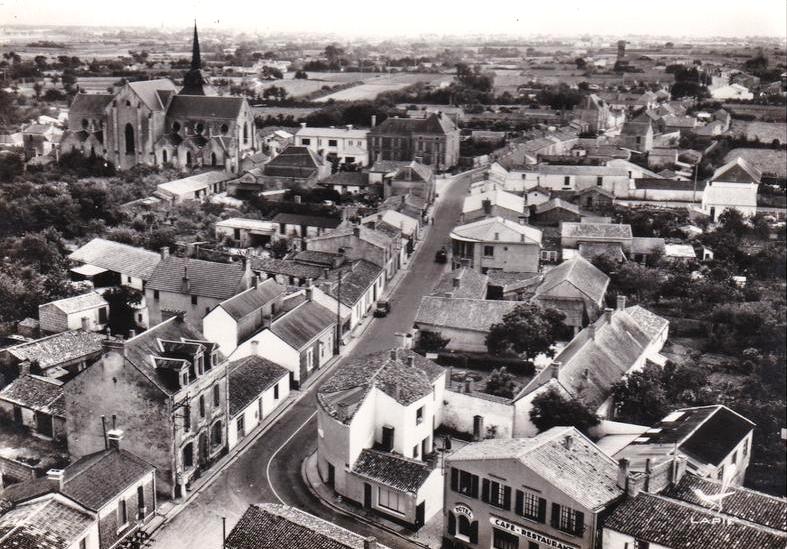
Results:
x,y
696,18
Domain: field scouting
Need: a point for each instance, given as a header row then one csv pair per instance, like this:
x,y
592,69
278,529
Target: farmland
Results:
x,y
375,84
764,131
771,162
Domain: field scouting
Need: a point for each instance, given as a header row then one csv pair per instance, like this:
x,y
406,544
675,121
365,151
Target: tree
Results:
x,y
581,63
500,383
552,409
527,330
122,301
301,75
431,342
38,87
640,397
11,165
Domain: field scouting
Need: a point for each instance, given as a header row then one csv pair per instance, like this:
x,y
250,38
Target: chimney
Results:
x,y
114,436
478,428
85,323
555,368
356,231
309,290
568,442
393,354
623,473
370,543
457,282
487,205
132,334
297,199
374,120
607,314
326,272
165,252
56,477
411,361
303,124
186,283
591,331
255,348
468,385
254,281
621,302
349,127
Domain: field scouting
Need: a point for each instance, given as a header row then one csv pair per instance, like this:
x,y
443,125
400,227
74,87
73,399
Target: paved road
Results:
x,y
278,454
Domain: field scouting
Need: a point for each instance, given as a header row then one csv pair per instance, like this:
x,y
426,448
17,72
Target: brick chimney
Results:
x,y
114,436
357,231
255,348
607,314
56,478
374,120
568,442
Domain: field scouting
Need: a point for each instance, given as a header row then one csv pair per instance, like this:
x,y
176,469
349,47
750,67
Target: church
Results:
x,y
153,123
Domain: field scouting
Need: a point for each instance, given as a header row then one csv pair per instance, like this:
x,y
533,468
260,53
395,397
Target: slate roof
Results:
x,y
616,231
248,224
432,124
476,315
554,203
205,278
496,197
194,182
199,107
397,472
647,245
285,267
661,184
79,303
45,524
308,220
294,162
737,171
58,348
302,324
405,223
484,230
355,281
347,179
252,299
36,393
581,274
89,104
342,394
273,526
249,377
635,128
117,257
472,284
670,523
582,471
149,92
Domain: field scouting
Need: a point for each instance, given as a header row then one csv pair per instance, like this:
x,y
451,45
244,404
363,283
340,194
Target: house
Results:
x,y
295,166
493,203
296,225
555,211
715,440
664,191
495,243
732,186
361,242
410,227
644,248
357,285
235,319
167,387
678,123
433,141
399,178
592,239
679,252
347,182
55,356
40,140
408,204
464,322
637,136
598,114
98,502
462,283
257,387
345,145
108,263
35,403
193,188
247,233
576,288
302,340
552,490
375,422
267,525
575,178
595,198
87,311
731,91
696,512
193,286
85,132
273,140
285,271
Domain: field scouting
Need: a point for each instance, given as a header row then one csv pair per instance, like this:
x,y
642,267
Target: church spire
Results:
x,y
196,61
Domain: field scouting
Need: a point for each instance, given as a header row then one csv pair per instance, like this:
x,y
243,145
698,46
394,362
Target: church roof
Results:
x,y
203,107
148,92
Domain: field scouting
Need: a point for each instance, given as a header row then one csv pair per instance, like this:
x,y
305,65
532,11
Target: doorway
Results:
x,y
367,495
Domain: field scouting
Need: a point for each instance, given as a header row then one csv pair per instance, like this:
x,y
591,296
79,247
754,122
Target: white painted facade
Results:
x,y
219,327
348,145
257,411
720,195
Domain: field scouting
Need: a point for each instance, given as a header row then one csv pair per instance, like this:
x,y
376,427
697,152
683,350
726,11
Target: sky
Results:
x,y
690,18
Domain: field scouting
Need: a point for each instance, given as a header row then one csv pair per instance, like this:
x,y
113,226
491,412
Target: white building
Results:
x,y
87,311
732,186
732,91
347,145
245,233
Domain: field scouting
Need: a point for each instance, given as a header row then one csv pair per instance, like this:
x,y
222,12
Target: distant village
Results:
x,y
455,313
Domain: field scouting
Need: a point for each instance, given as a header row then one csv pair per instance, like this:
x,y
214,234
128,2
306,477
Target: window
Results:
x,y
306,141
216,395
643,545
241,425
496,494
419,415
489,251
245,133
530,505
309,359
745,447
224,129
332,143
568,520
202,406
216,436
102,315
188,456
721,473
466,530
187,417
129,135
83,543
122,514
599,181
639,140
464,483
155,295
735,457
141,502
504,540
390,500
567,181
415,451
194,299
276,392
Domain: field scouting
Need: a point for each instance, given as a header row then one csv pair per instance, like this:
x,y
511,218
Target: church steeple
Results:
x,y
193,81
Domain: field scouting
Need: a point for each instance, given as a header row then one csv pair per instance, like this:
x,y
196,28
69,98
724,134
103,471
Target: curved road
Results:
x,y
269,470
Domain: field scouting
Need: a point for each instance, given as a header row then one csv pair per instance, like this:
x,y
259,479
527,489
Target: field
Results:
x,y
764,131
509,80
373,85
771,162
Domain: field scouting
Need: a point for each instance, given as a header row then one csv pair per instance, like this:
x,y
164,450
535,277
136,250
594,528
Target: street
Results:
x,y
270,469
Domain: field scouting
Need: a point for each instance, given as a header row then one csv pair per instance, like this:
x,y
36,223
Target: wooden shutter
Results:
x,y
454,479
474,486
451,523
474,532
555,515
507,498
579,523
485,491
542,510
519,505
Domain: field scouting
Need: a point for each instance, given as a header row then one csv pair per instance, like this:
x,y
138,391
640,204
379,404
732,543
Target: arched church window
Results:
x,y
84,123
128,103
224,129
213,159
130,148
188,159
199,128
164,156
176,127
245,133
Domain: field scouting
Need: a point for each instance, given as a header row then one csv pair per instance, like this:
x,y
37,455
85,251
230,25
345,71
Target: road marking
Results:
x,y
279,449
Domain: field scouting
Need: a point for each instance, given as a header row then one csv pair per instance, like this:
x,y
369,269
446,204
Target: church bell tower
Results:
x,y
193,81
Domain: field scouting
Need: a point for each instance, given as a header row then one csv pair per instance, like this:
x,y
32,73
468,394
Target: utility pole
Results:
x,y
694,192
337,346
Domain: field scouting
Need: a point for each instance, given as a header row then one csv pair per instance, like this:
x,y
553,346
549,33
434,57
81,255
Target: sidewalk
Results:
x,y
428,536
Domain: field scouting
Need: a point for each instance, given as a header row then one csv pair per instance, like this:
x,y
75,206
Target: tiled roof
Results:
x,y
195,182
581,274
44,524
485,230
647,245
679,121
301,325
551,169
342,394
347,179
399,473
249,378
198,107
737,171
405,223
295,157
58,348
671,523
476,315
355,281
79,303
252,299
470,284
635,128
579,469
496,197
679,250
661,184
285,267
555,203
308,220
718,435
205,278
89,104
432,124
275,526
244,223
34,392
117,257
617,231
94,480
323,259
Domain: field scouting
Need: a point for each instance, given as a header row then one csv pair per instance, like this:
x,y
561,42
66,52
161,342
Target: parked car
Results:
x,y
441,256
383,308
